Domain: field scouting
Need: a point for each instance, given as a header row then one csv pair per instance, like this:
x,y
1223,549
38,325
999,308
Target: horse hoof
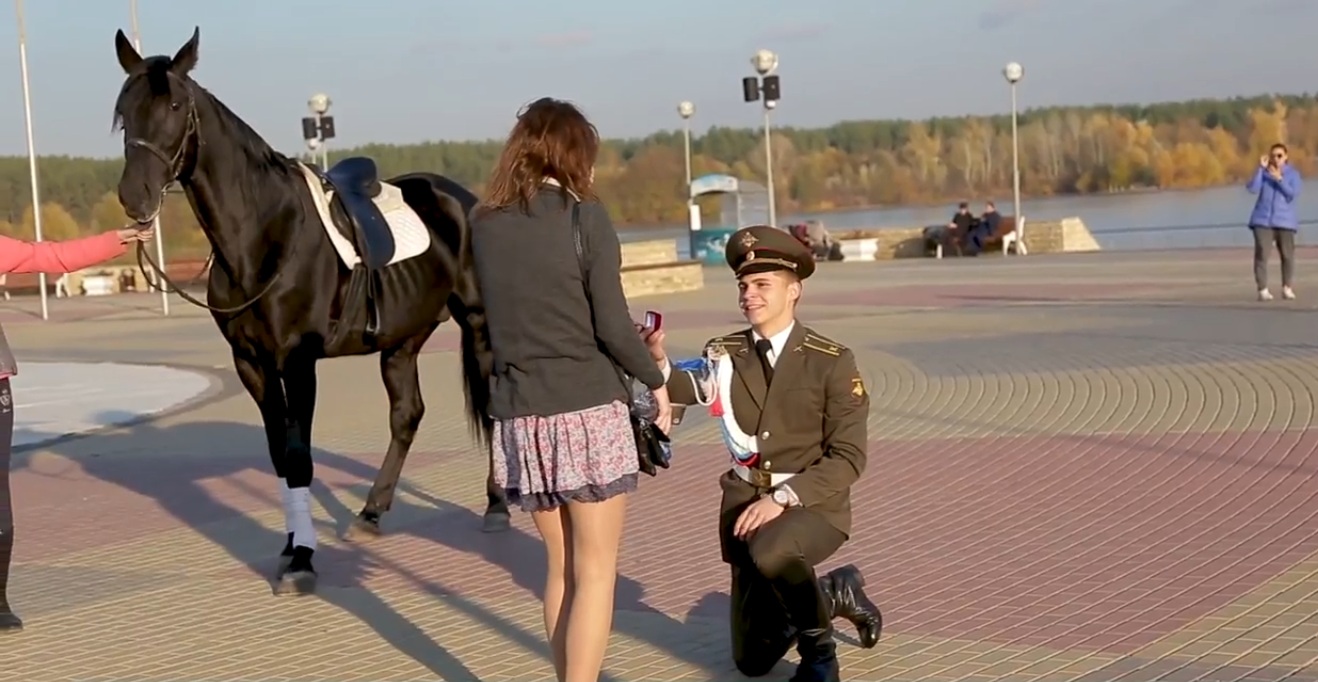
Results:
x,y
296,584
9,623
362,530
496,522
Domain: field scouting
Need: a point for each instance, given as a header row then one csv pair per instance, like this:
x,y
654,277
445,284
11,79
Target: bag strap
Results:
x,y
579,244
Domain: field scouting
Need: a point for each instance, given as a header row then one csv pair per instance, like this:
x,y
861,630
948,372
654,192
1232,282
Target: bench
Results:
x,y
859,249
1006,235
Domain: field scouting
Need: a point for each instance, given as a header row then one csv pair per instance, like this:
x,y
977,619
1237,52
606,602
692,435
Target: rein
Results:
x,y
175,164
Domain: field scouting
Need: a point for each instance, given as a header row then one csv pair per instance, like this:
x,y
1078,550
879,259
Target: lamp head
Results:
x,y
765,62
1013,72
319,103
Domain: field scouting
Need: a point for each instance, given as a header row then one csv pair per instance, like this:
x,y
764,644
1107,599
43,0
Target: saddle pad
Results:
x,y
411,236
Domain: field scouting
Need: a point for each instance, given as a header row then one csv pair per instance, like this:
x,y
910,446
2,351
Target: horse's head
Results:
x,y
157,109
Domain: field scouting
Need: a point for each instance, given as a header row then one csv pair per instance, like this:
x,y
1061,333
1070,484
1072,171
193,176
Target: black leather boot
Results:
x,y
8,621
846,599
808,606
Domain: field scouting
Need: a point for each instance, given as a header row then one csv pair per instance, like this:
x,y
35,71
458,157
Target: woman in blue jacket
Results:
x,y
1274,219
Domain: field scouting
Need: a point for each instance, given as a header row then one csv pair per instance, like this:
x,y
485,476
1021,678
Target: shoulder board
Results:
x,y
731,340
821,344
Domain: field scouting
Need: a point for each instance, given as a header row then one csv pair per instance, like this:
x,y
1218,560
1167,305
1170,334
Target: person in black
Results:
x,y
982,230
958,228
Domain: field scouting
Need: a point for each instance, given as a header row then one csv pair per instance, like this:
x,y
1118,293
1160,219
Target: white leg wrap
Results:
x,y
297,515
286,499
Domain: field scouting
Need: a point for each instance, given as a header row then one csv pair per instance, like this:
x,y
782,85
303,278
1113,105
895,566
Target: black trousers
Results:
x,y
6,504
775,592
1264,238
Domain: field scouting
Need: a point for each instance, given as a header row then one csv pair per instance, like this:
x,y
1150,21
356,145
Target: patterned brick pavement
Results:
x,y
1094,467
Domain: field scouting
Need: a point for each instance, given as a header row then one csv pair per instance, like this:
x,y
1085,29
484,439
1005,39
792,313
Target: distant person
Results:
x,y
984,228
821,243
20,257
954,234
1274,219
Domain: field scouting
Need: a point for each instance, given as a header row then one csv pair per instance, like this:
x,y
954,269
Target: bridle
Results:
x,y
175,162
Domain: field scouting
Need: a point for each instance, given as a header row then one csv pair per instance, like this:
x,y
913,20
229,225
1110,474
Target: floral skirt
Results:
x,y
585,456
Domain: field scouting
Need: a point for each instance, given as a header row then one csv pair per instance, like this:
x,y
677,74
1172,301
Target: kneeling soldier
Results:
x,y
793,411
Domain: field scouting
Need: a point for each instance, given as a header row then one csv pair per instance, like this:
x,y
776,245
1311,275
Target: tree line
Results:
x,y
1103,148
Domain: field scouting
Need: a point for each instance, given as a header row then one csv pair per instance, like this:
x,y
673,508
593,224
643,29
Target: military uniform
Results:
x,y
797,417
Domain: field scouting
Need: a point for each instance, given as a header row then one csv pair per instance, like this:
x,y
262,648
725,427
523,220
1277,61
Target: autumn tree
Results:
x,y
56,223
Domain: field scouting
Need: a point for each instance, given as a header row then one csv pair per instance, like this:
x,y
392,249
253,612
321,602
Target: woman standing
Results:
x,y
1274,219
55,258
563,445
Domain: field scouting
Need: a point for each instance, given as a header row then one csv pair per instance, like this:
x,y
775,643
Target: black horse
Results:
x,y
280,290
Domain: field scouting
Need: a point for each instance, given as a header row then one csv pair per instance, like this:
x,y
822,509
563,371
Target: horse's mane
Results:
x,y
156,72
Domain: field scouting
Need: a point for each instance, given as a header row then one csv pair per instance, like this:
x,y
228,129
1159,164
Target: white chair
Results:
x,y
1017,237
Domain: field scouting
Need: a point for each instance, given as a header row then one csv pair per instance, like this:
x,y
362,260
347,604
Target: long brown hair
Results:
x,y
552,139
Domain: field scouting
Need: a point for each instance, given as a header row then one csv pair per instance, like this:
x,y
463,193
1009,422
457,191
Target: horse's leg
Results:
x,y
398,368
263,384
497,519
299,575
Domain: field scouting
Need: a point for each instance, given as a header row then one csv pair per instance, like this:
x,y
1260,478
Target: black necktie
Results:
x,y
762,348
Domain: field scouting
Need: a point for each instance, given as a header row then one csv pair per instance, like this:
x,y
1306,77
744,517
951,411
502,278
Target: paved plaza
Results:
x,y
1090,467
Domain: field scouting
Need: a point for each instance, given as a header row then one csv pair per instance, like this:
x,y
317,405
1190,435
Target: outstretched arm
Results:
x,y
23,257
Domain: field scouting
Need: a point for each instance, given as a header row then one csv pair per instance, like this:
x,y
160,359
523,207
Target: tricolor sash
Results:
x,y
712,378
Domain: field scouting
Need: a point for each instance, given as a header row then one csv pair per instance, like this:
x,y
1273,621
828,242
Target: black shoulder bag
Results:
x,y
650,441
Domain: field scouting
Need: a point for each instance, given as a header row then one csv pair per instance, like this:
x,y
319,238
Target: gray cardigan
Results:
x,y
552,353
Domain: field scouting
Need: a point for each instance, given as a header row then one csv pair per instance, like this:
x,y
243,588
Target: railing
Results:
x,y
1159,237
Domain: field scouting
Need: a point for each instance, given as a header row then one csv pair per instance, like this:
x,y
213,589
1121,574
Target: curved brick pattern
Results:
x,y
1098,467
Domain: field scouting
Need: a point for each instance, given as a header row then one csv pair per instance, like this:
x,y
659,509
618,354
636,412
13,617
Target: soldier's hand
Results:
x,y
759,513
654,341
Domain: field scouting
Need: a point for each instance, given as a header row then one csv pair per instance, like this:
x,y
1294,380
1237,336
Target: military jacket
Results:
x,y
810,421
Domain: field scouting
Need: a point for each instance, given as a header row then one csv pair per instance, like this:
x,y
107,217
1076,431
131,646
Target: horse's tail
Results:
x,y
477,355
469,312
454,202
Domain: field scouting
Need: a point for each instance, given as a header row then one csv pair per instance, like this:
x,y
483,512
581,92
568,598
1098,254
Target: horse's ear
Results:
x,y
128,56
186,58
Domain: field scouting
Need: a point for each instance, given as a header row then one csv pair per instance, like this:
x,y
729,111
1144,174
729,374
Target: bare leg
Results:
x,y
398,368
596,534
556,531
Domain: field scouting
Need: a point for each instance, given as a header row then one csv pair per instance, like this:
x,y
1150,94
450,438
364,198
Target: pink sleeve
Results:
x,y
22,257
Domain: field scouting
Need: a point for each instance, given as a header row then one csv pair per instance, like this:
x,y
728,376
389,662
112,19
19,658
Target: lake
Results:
x,y
1147,220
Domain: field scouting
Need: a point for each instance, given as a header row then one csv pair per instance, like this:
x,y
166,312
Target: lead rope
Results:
x,y
164,280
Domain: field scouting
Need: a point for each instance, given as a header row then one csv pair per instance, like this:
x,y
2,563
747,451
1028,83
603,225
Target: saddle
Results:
x,y
356,185
357,190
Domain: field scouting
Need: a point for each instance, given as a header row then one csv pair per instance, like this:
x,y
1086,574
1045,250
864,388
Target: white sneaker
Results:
x,y
1288,293
1265,295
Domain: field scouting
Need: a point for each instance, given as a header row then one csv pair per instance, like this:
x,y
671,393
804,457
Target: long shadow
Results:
x,y
169,466
522,556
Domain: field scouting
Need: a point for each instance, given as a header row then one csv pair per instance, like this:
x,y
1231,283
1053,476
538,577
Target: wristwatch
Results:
x,y
781,498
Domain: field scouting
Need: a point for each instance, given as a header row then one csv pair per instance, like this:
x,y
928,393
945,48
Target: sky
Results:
x,y
402,71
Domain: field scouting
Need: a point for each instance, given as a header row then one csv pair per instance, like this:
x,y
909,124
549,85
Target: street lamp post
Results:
x,y
319,127
765,63
686,110
155,222
1013,72
31,147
